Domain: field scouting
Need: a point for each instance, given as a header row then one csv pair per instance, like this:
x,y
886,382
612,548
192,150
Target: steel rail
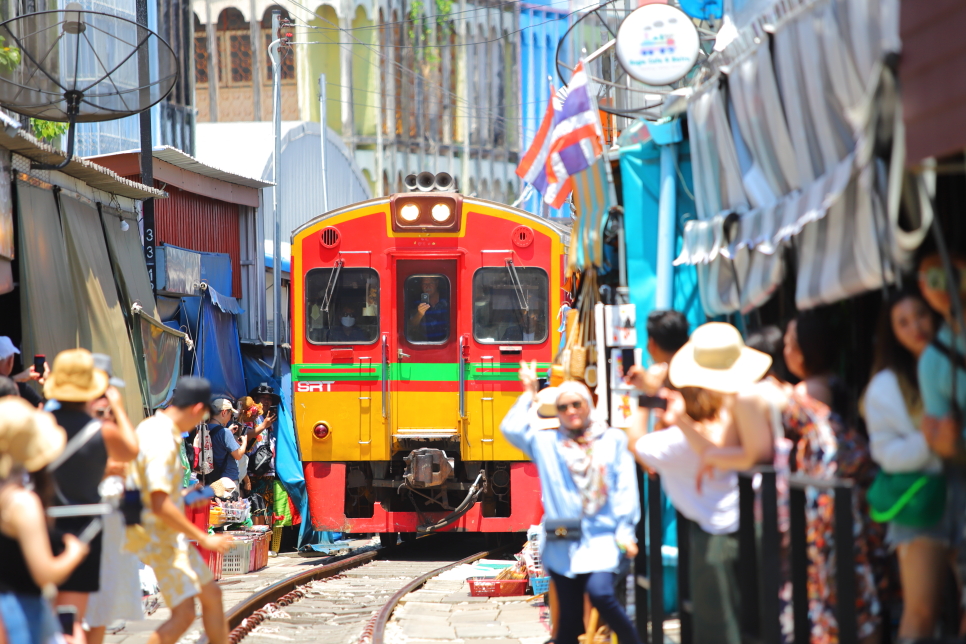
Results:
x,y
246,608
374,631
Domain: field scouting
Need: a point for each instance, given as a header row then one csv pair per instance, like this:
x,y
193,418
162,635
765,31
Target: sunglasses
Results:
x,y
577,405
935,278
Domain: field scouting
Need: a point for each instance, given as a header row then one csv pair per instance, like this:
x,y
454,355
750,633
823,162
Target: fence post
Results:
x,y
748,554
769,605
799,555
684,578
845,565
655,568
640,562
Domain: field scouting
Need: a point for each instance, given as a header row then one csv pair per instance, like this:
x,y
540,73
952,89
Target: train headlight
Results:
x,y
321,430
441,212
409,212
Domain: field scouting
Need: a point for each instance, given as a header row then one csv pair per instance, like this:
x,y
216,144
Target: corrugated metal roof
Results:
x,y
14,138
185,161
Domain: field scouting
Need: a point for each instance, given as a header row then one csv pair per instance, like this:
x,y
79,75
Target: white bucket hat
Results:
x,y
716,358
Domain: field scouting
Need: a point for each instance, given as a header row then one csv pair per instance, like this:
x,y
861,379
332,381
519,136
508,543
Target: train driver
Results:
x,y
430,320
347,331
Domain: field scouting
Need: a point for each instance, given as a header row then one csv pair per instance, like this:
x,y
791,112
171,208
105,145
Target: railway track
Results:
x,y
349,601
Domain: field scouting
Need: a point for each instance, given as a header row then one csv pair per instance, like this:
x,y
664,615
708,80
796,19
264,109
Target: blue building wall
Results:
x,y
542,26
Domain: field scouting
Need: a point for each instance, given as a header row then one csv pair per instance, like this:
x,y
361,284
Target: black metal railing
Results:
x,y
760,554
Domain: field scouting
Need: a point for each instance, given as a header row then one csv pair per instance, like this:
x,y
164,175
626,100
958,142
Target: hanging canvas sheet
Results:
x,y
783,139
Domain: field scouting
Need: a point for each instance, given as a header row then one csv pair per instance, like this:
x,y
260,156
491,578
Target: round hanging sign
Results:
x,y
657,44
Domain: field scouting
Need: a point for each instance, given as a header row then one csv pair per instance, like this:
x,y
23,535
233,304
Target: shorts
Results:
x,y
180,570
28,619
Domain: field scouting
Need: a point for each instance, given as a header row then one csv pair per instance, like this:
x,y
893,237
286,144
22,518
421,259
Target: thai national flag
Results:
x,y
574,140
533,165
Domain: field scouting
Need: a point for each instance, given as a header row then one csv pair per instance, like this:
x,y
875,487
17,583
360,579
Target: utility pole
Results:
x,y
212,65
255,34
147,154
276,55
325,186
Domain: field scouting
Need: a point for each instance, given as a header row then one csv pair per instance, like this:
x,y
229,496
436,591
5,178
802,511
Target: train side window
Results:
x,y
427,298
342,307
498,316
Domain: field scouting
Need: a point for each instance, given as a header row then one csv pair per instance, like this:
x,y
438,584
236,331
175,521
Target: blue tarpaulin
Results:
x,y
217,354
288,463
640,182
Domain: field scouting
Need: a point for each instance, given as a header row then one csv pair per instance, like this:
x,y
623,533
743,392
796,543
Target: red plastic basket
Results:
x,y
259,553
488,587
213,559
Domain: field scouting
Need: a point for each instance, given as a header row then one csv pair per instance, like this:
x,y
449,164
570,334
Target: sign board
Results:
x,y
657,44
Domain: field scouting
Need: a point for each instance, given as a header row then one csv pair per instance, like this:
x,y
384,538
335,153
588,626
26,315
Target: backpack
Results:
x,y
260,461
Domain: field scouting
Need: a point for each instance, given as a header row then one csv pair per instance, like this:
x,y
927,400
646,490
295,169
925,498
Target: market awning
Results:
x,y
784,140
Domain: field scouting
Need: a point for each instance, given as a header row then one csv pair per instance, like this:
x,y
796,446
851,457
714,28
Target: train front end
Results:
x,y
410,317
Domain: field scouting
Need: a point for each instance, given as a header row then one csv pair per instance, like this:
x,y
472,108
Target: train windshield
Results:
x,y
510,304
342,305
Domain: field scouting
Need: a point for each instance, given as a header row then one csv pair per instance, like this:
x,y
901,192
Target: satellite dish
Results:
x,y
79,66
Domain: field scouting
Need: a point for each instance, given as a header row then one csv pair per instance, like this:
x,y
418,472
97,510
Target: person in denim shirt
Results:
x,y
586,473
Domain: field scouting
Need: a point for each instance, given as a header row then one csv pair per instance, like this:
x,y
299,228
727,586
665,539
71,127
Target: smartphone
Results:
x,y
67,615
194,496
652,402
424,297
627,359
39,362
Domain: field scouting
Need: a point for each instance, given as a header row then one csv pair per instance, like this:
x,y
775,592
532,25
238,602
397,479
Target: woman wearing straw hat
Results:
x,y
29,441
590,501
76,383
708,432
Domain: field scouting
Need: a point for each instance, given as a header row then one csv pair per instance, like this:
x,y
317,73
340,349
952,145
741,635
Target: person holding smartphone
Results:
x,y
226,449
28,564
430,319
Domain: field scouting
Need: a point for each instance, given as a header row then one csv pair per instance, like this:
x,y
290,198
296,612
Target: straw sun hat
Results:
x,y
74,378
543,413
716,358
28,437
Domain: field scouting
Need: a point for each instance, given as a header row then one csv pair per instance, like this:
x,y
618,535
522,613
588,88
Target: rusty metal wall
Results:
x,y
200,223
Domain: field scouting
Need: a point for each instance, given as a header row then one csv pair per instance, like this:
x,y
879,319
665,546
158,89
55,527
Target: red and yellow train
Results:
x,y
410,316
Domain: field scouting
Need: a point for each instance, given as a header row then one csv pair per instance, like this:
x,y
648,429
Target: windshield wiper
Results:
x,y
517,286
330,287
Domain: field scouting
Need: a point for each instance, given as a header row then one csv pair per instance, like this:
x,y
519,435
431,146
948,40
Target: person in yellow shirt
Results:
x,y
161,541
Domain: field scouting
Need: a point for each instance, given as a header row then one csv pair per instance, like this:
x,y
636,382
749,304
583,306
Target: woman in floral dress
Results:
x,y
825,448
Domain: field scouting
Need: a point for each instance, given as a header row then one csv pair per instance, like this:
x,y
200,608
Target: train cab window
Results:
x,y
498,312
427,298
342,306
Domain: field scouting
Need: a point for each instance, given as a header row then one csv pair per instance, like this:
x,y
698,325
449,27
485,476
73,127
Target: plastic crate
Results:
x,y
539,585
259,551
237,558
213,560
483,587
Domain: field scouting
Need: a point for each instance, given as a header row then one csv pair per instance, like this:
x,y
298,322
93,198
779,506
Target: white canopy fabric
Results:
x,y
782,152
